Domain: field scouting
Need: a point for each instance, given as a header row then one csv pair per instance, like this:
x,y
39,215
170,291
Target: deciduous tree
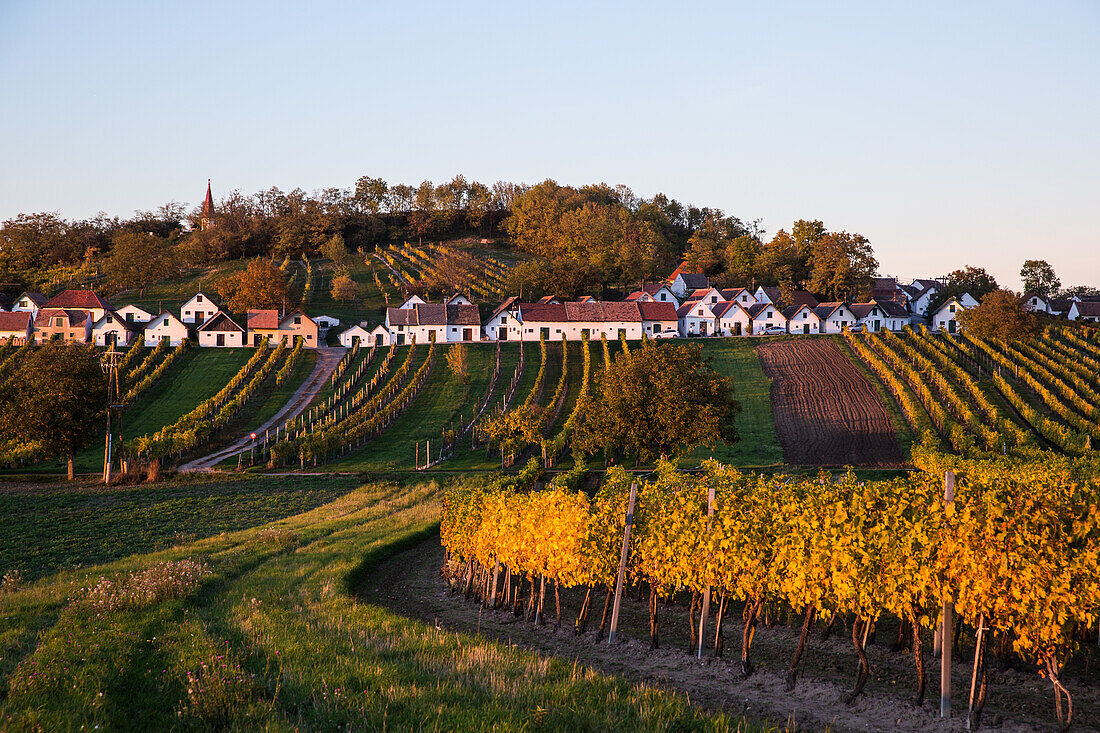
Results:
x,y
55,401
260,285
459,363
1001,316
659,400
1039,277
344,289
138,259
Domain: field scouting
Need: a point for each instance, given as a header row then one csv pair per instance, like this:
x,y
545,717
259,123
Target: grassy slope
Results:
x,y
274,641
197,375
759,445
49,527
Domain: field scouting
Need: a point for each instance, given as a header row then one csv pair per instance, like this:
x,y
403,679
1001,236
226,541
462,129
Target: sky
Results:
x,y
947,133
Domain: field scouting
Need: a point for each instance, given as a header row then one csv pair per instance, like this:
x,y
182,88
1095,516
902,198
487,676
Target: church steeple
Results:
x,y
206,219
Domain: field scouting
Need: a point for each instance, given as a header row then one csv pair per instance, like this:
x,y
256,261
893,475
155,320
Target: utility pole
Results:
x,y
109,364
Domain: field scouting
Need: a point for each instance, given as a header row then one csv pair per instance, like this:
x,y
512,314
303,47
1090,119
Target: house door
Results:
x,y
544,333
737,328
400,339
220,339
467,334
703,328
502,333
877,325
805,328
377,339
951,326
256,339
111,339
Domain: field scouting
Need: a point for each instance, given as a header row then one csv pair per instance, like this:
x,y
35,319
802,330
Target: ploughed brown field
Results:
x,y
825,411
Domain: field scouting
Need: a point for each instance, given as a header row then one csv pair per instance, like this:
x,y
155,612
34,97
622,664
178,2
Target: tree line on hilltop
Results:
x,y
575,240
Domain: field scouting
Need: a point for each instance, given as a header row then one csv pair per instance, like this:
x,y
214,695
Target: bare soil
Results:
x,y
410,583
825,411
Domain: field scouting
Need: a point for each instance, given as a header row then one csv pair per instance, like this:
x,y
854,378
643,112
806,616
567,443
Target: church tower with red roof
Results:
x,y
207,219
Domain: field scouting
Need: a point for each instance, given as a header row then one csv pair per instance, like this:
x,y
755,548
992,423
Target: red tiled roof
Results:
x,y
78,299
75,317
263,319
543,312
510,302
657,311
17,321
792,311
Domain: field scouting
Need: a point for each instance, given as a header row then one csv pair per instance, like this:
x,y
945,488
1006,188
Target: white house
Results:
x,y
197,309
802,319
16,325
710,296
379,336
132,314
654,293
29,302
463,321
767,315
658,317
920,294
574,320
683,283
326,322
165,326
740,295
458,299
113,329
412,300
696,319
944,317
767,294
221,330
731,318
1085,311
835,317
1037,303
505,323
348,337
875,316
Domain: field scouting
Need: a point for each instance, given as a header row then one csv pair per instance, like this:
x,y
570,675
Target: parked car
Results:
x,y
666,335
774,331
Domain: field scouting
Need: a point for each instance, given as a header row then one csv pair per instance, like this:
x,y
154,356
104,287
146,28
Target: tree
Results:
x,y
660,400
742,260
843,266
335,249
1001,316
459,363
138,259
260,285
55,401
344,289
1039,278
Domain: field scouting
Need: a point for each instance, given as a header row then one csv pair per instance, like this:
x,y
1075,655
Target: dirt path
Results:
x,y
410,584
327,359
825,411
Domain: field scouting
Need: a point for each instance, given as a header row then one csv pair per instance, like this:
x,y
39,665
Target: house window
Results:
x,y
297,320
198,298
700,311
186,314
309,337
951,308
714,299
663,297
769,315
59,322
503,320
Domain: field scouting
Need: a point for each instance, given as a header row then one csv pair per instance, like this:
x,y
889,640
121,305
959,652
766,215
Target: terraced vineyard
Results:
x,y
966,394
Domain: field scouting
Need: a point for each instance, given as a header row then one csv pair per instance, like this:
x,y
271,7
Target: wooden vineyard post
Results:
x,y
622,563
706,593
947,631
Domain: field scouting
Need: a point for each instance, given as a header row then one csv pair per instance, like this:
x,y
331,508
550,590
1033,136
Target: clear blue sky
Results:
x,y
949,133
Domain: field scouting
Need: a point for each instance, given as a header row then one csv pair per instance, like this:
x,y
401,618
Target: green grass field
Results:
x,y
257,629
54,526
759,446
